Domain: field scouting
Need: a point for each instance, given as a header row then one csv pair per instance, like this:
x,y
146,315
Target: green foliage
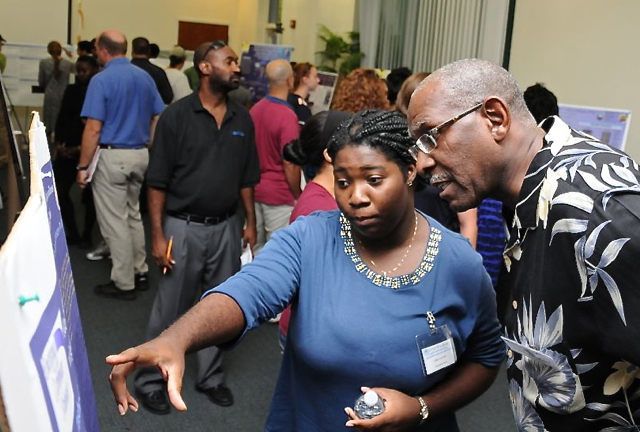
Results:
x,y
339,55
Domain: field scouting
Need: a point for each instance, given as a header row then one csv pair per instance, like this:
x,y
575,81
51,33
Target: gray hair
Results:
x,y
466,82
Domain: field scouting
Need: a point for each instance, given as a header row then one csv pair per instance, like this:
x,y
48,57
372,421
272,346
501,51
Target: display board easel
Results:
x,y
17,181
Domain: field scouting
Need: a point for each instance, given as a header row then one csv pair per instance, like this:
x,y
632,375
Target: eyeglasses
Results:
x,y
427,142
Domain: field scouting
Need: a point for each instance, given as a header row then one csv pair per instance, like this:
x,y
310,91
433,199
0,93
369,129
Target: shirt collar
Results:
x,y
277,100
557,134
196,105
116,61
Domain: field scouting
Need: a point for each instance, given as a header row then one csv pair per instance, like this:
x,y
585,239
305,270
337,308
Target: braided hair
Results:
x,y
385,131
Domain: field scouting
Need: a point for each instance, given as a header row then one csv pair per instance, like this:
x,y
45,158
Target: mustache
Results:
x,y
437,178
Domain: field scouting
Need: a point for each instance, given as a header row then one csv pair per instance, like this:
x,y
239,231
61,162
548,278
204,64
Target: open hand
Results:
x,y
159,353
402,412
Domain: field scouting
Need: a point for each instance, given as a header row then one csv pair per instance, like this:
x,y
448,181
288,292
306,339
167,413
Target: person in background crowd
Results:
x,y
241,96
122,106
318,194
390,284
53,77
84,48
361,89
192,76
94,51
491,237
406,91
426,196
154,51
394,81
3,58
305,80
66,155
276,126
203,161
541,102
569,296
178,80
140,54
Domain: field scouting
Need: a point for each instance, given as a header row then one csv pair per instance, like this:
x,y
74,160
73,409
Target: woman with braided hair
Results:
x,y
382,297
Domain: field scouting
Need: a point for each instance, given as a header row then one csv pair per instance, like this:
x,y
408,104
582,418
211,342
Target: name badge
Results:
x,y
437,350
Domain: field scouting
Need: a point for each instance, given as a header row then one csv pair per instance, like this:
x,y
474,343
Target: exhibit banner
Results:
x,y
46,381
611,126
253,63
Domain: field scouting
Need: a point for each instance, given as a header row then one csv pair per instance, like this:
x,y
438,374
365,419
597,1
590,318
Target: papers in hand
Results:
x,y
92,166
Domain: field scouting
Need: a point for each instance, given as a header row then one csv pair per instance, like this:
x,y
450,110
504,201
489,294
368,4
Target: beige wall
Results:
x,y
582,50
158,20
338,15
33,21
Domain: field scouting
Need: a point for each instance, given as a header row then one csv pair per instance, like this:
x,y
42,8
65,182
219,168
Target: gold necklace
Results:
x,y
385,273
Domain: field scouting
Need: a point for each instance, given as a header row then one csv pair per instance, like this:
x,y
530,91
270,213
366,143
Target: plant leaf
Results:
x,y
568,226
574,199
593,182
607,178
624,173
614,292
593,238
611,252
580,264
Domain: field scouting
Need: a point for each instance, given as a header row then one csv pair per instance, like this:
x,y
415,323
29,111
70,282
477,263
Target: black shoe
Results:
x,y
142,281
220,395
156,401
110,290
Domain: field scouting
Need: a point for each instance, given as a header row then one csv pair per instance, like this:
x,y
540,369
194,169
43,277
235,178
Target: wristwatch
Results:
x,y
82,168
424,410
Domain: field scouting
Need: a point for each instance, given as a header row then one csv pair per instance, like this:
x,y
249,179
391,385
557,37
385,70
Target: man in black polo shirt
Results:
x,y
140,53
203,161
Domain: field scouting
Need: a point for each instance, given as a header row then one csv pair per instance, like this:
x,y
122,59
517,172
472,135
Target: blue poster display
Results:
x,y
611,126
253,63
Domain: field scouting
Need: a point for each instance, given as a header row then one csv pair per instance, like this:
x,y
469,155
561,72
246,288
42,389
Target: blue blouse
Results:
x,y
347,331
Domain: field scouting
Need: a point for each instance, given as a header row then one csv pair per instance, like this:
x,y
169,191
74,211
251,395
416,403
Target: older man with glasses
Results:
x,y
572,204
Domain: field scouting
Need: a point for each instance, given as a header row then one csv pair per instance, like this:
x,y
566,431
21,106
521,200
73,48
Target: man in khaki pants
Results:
x,y
121,107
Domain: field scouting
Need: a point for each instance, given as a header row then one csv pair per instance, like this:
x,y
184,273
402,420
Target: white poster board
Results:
x,y
44,374
320,99
609,125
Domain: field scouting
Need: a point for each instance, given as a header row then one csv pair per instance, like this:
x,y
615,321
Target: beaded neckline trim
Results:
x,y
393,282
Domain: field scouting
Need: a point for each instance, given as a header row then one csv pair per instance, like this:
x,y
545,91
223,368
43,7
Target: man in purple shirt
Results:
x,y
276,126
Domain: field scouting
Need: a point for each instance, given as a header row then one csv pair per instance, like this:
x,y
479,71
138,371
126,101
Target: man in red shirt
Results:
x,y
276,125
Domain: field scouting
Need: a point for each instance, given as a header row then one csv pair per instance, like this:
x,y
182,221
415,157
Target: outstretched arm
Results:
x,y
214,320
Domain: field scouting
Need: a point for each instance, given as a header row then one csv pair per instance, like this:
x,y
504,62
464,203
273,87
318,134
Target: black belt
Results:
x,y
116,147
206,220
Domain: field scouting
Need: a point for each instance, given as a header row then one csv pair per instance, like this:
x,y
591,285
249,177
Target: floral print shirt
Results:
x,y
572,297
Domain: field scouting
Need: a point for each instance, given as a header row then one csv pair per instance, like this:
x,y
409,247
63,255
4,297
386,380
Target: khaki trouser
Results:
x,y
269,219
116,192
